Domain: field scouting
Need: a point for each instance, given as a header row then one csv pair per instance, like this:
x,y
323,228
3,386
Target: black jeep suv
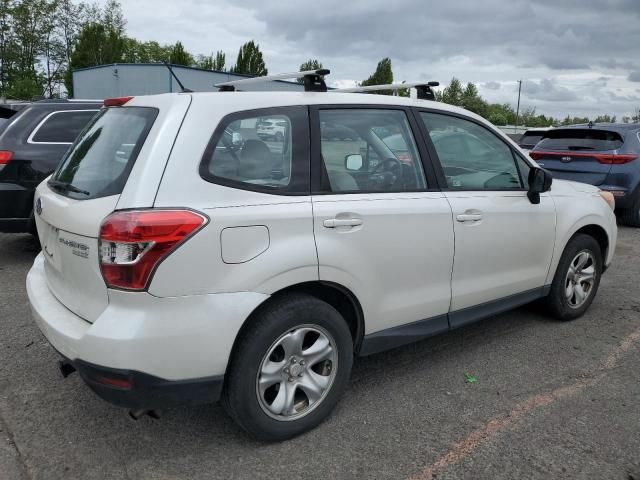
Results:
x,y
32,143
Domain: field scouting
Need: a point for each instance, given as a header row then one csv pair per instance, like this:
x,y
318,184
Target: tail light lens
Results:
x,y
604,158
5,157
116,102
133,243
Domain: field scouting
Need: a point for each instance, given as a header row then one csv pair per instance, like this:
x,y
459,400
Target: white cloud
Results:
x,y
558,49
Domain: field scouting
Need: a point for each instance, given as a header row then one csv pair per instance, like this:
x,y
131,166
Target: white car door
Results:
x,y
503,242
379,231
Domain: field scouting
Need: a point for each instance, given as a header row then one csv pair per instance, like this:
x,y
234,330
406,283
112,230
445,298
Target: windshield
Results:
x,y
99,162
530,139
580,139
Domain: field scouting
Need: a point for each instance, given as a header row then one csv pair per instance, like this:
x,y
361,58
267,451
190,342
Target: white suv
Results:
x,y
179,268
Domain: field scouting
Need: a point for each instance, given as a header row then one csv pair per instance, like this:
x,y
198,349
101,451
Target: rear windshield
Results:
x,y
580,139
99,162
530,139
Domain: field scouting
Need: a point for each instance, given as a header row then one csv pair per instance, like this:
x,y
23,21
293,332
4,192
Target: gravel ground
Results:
x,y
552,400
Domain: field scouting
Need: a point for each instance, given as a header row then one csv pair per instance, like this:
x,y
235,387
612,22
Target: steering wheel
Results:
x,y
384,174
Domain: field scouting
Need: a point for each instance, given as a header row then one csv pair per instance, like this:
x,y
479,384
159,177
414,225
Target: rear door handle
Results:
x,y
342,222
469,217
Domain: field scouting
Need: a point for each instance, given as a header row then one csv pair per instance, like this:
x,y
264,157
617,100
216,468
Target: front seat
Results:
x,y
342,181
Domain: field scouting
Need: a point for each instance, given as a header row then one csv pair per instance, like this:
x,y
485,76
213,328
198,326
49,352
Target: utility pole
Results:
x,y
518,107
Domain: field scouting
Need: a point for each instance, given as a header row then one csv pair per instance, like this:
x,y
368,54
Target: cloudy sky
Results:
x,y
577,57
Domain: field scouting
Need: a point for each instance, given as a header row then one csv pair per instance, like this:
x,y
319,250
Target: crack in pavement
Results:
x,y
494,426
20,459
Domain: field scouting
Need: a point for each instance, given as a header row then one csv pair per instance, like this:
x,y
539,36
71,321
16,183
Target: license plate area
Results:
x,y
51,248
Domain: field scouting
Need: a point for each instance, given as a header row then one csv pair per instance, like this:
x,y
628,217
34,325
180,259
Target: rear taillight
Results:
x,y
604,158
5,157
134,242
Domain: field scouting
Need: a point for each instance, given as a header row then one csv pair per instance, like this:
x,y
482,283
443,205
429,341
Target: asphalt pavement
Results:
x,y
551,400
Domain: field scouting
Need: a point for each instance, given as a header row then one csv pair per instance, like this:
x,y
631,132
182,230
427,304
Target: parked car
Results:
x,y
174,271
32,143
529,138
606,155
271,128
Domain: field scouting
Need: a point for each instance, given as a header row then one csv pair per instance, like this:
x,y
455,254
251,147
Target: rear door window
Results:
x,y
62,126
100,161
577,139
260,150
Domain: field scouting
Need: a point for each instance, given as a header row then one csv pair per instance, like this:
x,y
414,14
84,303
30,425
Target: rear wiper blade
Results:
x,y
579,147
67,186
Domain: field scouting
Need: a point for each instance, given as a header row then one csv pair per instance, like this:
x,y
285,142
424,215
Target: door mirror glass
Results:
x,y
353,162
539,182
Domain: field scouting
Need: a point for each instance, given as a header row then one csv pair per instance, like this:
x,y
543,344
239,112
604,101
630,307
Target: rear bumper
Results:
x,y
140,391
16,225
16,205
173,350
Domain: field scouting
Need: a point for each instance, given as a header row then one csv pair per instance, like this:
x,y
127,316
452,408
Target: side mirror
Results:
x,y
539,181
353,162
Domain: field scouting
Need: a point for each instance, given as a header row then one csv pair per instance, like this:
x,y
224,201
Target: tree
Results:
x,y
212,62
7,44
179,56
250,60
311,64
605,119
113,18
452,94
382,76
96,45
219,61
471,100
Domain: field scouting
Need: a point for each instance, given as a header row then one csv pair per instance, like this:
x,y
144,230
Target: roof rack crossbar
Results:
x,y
313,80
424,89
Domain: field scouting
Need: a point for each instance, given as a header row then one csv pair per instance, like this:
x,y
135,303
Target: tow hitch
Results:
x,y
66,368
136,414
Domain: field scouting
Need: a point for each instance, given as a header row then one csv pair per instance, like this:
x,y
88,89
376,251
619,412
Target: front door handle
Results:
x,y
469,217
342,222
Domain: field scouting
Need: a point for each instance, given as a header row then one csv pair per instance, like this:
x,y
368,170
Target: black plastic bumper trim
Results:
x,y
147,391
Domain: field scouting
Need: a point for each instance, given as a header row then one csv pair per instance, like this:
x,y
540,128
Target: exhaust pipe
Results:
x,y
66,368
137,414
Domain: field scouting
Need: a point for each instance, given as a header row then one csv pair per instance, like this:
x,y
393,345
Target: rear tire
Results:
x,y
631,216
577,278
269,376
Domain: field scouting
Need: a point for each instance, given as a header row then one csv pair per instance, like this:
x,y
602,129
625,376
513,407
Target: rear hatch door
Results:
x,y
72,203
579,154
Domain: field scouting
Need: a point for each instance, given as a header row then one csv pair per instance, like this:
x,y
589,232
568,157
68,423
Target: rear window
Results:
x,y
580,139
100,161
62,126
530,139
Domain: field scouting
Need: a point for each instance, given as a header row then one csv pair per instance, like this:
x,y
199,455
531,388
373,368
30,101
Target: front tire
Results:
x,y
289,368
576,280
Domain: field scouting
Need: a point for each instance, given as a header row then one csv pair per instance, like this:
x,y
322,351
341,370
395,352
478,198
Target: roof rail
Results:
x,y
424,89
313,80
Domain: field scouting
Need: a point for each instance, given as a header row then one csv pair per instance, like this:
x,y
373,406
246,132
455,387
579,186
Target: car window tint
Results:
x,y
369,150
102,158
63,126
254,151
528,140
524,168
580,139
472,157
267,152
